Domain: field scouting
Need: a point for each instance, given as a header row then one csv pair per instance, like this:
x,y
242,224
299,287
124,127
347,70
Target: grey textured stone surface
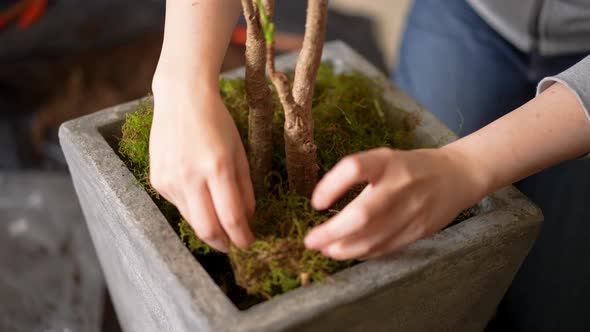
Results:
x,y
50,279
451,281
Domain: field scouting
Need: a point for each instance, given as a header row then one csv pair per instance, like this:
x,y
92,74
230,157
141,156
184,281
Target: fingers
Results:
x,y
198,163
245,185
230,207
387,236
355,218
394,210
354,169
199,211
375,243
398,241
374,223
362,245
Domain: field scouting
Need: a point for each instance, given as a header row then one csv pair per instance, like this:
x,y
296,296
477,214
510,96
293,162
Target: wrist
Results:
x,y
173,71
479,176
176,78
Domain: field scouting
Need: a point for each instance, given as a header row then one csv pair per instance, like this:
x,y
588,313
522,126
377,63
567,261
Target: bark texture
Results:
x,y
301,152
259,99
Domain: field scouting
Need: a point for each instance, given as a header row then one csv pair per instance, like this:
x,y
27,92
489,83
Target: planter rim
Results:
x,y
501,212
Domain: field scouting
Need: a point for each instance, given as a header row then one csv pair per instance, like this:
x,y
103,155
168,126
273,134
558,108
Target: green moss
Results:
x,y
274,265
348,111
190,239
134,144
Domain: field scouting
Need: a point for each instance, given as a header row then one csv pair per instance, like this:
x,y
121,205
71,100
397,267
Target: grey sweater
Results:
x,y
548,27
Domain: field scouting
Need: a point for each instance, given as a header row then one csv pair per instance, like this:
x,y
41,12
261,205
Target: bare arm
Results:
x,y
197,160
405,187
551,128
196,36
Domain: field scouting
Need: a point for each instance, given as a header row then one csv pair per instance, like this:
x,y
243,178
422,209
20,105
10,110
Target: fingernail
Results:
x,y
220,245
317,202
327,251
311,241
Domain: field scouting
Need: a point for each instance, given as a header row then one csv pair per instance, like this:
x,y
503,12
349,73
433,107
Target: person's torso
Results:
x,y
549,27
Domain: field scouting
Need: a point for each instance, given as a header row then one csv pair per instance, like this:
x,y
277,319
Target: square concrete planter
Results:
x,y
451,281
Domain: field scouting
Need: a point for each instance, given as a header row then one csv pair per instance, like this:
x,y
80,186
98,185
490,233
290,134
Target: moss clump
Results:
x,y
276,265
134,145
348,111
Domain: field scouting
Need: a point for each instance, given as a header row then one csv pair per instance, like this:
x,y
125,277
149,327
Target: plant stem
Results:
x,y
259,100
301,152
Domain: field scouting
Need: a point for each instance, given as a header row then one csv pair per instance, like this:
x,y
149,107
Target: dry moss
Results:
x,y
348,111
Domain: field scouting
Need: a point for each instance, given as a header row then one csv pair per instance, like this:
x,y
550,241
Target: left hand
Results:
x,y
409,196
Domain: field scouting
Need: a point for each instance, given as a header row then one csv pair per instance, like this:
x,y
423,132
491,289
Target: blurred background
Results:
x,y
76,57
60,59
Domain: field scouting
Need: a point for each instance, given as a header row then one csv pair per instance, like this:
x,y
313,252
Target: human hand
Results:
x,y
409,196
198,162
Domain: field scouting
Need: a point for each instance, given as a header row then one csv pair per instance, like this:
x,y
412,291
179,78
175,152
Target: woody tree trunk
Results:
x,y
259,99
301,152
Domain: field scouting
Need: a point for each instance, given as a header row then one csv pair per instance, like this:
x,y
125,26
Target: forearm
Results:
x,y
196,36
551,128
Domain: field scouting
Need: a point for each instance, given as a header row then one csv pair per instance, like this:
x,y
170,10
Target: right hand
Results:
x,y
198,162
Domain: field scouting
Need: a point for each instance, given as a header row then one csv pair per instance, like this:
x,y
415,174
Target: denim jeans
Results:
x,y
463,71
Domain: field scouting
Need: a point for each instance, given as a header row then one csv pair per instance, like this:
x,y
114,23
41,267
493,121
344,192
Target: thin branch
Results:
x,y
301,152
310,57
279,79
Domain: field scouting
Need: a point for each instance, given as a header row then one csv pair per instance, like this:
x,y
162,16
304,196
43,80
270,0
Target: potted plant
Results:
x,y
450,281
